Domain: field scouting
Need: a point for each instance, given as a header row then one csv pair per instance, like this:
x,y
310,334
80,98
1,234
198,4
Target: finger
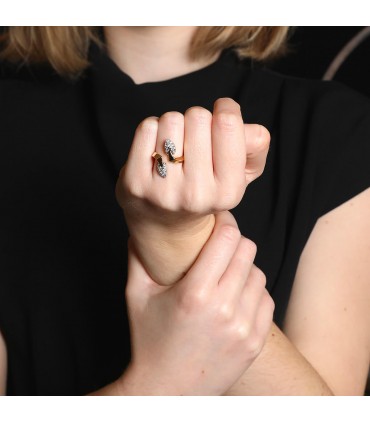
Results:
x,y
258,143
139,160
198,167
253,291
215,255
236,275
170,126
228,143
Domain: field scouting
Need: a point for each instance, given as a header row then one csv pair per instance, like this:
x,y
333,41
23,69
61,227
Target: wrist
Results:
x,y
168,253
171,232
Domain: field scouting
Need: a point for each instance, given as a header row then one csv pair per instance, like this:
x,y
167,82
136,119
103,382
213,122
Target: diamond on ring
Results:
x,y
162,169
169,147
161,166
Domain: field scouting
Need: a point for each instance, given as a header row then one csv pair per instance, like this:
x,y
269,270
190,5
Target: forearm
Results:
x,y
167,254
280,369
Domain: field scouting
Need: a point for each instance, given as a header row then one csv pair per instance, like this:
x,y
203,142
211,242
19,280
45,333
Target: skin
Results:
x,y
166,58
298,362
165,218
196,336
216,183
194,191
295,361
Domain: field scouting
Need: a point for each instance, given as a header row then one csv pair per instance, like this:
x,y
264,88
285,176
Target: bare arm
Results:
x,y
278,355
280,369
198,336
326,340
170,220
170,249
332,330
163,215
321,331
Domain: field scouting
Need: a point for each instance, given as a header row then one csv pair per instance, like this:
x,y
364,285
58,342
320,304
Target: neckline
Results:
x,y
102,63
120,105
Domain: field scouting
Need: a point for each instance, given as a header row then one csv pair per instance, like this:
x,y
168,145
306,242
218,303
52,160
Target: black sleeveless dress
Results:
x,y
63,238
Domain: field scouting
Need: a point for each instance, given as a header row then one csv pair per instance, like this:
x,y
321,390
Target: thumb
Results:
x,y
258,142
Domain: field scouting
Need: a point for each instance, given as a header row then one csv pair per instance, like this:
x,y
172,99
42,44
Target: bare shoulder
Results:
x,y
3,365
329,309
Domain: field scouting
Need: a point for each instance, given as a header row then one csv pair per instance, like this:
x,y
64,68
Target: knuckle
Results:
x,y
242,331
225,312
230,233
129,186
230,199
173,118
269,302
248,247
168,202
256,172
199,114
149,126
193,300
254,345
227,120
192,200
134,189
259,170
240,263
259,278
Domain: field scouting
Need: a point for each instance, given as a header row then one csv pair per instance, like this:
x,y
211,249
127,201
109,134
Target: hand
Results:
x,y
212,178
198,336
170,219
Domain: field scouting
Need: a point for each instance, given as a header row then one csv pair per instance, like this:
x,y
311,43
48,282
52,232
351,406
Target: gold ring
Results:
x,y
170,149
161,165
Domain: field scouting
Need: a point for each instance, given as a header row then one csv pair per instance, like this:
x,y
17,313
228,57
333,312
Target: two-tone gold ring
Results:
x,y
170,149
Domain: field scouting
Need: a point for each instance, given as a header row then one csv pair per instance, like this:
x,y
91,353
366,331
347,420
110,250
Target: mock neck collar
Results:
x,y
120,104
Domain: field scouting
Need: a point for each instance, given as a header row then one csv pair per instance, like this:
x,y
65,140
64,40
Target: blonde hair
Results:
x,y
65,48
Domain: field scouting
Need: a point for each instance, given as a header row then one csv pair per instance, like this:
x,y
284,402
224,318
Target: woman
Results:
x,y
66,143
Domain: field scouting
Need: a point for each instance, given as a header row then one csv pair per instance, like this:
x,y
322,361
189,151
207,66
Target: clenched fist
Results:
x,y
213,176
164,215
